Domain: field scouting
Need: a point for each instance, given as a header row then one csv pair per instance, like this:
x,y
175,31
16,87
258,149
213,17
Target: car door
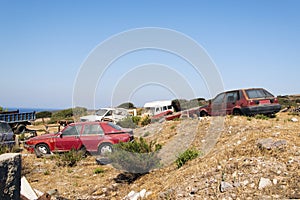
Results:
x,y
69,138
217,105
91,136
231,100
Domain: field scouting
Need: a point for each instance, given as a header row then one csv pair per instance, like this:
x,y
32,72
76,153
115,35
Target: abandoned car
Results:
x,y
248,102
93,137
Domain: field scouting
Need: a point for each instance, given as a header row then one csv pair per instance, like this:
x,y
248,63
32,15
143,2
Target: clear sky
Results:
x,y
43,44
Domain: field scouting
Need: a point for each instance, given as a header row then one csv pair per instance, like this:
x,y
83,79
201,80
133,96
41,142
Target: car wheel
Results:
x,y
105,148
83,151
203,114
41,149
20,129
236,112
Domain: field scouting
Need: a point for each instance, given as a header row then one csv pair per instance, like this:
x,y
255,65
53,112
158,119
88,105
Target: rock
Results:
x,y
264,182
225,186
269,143
294,119
275,181
143,193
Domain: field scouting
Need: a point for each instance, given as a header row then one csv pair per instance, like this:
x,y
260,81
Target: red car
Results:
x,y
242,102
94,137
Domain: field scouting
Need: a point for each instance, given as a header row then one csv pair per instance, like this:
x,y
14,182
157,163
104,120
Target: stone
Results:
x,y
143,193
294,119
264,182
10,176
225,186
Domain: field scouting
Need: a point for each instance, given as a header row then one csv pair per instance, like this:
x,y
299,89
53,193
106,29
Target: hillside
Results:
x,y
252,159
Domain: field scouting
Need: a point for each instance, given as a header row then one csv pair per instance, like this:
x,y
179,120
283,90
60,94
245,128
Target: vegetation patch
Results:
x,y
136,157
187,155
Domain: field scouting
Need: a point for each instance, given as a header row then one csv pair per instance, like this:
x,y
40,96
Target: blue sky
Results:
x,y
43,44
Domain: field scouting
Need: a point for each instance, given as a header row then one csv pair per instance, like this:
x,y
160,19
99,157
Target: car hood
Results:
x,y
45,136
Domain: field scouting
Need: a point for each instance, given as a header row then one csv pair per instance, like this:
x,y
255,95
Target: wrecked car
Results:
x,y
7,137
107,114
248,102
93,137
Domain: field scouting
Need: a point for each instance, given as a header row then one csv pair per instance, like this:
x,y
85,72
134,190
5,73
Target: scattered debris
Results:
x,y
225,186
137,195
264,182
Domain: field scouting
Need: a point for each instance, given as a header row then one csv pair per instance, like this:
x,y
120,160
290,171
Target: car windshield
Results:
x,y
259,93
114,126
101,112
4,128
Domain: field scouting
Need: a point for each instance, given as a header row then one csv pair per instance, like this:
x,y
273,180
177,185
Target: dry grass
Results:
x,y
235,158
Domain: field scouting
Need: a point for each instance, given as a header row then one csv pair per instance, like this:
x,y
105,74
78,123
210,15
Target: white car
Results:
x,y
107,114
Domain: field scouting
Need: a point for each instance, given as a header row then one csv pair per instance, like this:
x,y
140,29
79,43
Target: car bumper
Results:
x,y
261,109
29,148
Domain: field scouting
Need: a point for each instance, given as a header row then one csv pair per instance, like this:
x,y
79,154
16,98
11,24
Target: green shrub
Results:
x,y
137,157
69,158
136,119
145,121
187,155
68,113
260,116
43,114
99,171
128,122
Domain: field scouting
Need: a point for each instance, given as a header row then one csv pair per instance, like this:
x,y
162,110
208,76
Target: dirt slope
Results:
x,y
236,161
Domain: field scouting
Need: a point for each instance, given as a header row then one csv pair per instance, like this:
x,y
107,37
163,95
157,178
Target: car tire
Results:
x,y
203,114
105,148
237,112
20,129
41,150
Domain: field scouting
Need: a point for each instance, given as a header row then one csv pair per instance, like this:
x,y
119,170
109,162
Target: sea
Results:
x,y
24,110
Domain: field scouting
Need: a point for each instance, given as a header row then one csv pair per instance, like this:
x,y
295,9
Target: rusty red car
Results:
x,y
248,102
93,137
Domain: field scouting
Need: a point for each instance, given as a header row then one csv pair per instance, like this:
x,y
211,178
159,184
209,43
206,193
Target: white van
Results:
x,y
157,107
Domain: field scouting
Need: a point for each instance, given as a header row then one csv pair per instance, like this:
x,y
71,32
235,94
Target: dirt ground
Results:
x,y
235,157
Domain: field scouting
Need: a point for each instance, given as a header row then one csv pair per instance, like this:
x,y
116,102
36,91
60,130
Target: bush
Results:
x,y
262,117
145,121
99,171
68,113
129,122
137,157
43,114
127,105
184,157
69,158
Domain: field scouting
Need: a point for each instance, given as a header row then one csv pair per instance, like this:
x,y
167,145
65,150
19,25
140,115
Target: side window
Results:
x,y
109,113
165,108
232,97
72,130
157,110
219,99
92,129
170,107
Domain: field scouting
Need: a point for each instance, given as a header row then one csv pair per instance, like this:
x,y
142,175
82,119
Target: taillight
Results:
x,y
275,100
253,102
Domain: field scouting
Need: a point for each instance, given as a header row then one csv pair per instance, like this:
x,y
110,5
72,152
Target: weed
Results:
x,y
47,172
69,158
99,170
264,117
145,121
187,155
136,157
172,127
249,118
146,134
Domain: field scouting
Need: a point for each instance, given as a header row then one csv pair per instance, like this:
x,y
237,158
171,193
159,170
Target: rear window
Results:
x,y
259,93
114,126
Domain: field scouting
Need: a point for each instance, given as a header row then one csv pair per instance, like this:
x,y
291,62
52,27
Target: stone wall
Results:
x,y
10,176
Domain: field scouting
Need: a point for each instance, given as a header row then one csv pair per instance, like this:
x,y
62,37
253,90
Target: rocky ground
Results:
x,y
242,158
